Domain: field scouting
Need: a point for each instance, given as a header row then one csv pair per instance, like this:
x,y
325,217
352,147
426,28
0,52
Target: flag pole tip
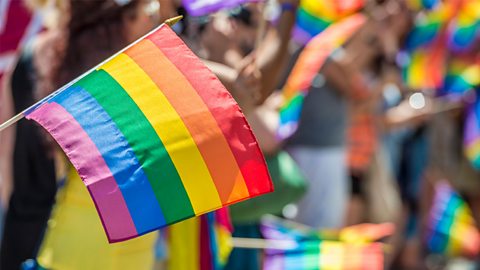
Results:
x,y
172,21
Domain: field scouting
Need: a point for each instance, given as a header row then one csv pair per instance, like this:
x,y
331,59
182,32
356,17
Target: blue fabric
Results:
x,y
119,157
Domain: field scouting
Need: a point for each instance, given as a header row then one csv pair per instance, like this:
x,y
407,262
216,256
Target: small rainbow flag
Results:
x,y
208,238
308,65
319,255
422,4
451,230
205,7
314,16
155,137
426,28
462,75
471,139
322,250
426,67
465,27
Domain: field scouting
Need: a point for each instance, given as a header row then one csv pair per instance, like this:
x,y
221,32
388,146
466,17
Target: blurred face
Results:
x,y
145,18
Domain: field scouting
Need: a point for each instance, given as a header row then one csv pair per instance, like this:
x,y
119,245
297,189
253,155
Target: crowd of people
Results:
x,y
367,148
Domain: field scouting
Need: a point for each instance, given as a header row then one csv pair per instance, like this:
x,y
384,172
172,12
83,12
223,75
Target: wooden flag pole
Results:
x,y
21,115
257,243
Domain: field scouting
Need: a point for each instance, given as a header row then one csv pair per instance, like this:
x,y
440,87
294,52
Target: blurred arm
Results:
x,y
272,53
6,142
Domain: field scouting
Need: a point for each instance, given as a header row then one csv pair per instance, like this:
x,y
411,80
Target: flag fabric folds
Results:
x,y
155,137
204,7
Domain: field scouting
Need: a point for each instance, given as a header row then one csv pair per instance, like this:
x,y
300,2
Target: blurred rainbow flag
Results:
x,y
314,16
200,243
451,229
427,27
349,248
438,35
422,4
425,68
465,27
471,140
205,7
462,75
308,65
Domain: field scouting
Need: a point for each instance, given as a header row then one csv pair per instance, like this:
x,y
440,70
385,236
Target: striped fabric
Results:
x,y
155,137
314,16
208,239
471,136
362,141
305,249
451,229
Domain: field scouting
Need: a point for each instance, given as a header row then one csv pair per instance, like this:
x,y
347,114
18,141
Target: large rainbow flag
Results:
x,y
307,67
155,137
451,230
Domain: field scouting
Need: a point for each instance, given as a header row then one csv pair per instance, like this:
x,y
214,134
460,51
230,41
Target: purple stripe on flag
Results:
x,y
204,7
102,185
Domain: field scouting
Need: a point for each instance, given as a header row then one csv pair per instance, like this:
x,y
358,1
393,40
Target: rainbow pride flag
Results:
x,y
427,28
451,229
208,239
426,67
314,16
422,4
155,137
471,137
311,249
308,65
465,27
319,255
462,75
205,7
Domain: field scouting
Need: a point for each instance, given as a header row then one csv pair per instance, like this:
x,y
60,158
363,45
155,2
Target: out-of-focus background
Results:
x,y
367,112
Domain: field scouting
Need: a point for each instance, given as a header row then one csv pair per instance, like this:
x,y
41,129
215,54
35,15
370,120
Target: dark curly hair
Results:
x,y
93,30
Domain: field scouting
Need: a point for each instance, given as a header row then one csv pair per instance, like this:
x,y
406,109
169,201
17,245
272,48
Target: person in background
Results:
x,y
18,24
74,238
27,172
319,144
227,43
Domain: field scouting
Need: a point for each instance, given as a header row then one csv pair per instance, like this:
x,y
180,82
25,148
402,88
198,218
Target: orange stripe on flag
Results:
x,y
197,118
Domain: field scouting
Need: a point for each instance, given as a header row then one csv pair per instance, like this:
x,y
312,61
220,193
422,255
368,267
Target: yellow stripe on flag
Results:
x,y
170,129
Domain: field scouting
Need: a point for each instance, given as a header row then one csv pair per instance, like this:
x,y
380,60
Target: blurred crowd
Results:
x,y
369,146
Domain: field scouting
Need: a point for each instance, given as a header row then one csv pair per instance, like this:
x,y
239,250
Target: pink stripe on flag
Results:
x,y
101,184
